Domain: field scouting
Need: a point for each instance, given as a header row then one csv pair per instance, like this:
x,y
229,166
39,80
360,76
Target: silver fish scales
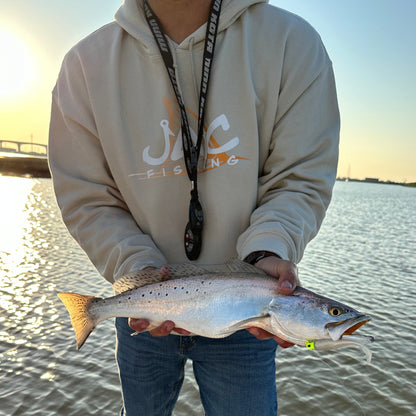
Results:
x,y
216,301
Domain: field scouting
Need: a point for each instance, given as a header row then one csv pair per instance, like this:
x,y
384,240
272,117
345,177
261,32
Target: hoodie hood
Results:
x,y
130,16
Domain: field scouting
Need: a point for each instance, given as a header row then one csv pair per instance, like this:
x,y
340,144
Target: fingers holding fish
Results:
x,y
139,325
163,330
166,328
285,271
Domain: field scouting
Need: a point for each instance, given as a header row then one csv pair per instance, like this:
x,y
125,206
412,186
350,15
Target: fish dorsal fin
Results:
x,y
136,279
240,266
180,270
150,276
232,267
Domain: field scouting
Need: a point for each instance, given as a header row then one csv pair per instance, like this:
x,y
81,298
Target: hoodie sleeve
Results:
x,y
295,185
91,204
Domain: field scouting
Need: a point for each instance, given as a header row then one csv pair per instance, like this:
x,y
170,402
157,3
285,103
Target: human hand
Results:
x,y
140,325
165,328
287,274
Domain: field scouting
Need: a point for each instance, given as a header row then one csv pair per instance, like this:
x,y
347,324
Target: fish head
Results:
x,y
304,316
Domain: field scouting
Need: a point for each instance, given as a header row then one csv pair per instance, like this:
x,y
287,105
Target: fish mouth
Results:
x,y
337,329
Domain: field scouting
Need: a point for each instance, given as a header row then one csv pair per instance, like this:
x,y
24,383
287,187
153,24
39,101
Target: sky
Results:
x,y
372,44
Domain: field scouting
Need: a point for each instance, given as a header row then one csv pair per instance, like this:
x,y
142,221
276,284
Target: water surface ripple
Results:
x,y
364,256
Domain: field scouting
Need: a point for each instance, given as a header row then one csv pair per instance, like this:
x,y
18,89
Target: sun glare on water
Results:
x,y
13,214
18,66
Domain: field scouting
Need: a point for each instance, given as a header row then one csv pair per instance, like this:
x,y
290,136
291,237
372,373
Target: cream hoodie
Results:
x,y
268,161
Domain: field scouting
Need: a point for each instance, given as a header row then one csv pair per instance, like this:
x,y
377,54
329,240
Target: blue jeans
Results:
x,y
235,375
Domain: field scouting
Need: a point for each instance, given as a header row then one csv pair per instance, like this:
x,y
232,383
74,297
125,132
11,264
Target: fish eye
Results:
x,y
335,311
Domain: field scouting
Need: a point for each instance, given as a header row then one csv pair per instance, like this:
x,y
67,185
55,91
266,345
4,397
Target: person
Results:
x,y
265,173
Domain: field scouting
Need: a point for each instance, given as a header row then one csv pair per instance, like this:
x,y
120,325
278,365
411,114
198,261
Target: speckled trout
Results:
x,y
216,301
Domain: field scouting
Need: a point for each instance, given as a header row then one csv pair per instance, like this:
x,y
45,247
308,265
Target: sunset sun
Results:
x,y
18,68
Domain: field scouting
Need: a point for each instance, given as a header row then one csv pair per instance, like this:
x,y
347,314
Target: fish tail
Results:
x,y
82,320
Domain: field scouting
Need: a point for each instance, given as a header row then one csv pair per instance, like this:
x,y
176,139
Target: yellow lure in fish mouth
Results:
x,y
358,341
310,345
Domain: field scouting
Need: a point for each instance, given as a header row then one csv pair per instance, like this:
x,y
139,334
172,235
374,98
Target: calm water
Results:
x,y
364,255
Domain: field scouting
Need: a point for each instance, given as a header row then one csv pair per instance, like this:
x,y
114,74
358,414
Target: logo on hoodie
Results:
x,y
171,163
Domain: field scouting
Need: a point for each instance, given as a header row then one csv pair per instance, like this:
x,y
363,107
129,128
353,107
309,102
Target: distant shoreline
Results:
x,y
37,167
24,165
377,181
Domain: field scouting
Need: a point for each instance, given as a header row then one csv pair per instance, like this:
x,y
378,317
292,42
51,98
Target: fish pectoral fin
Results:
x,y
262,321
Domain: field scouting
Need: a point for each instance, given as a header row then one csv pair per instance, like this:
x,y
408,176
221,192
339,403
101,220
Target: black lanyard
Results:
x,y
193,230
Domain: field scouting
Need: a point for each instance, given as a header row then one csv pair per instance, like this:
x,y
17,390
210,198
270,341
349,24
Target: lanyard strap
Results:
x,y
193,231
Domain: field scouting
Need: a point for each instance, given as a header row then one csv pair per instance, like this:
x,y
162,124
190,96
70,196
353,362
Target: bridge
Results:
x,y
26,148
